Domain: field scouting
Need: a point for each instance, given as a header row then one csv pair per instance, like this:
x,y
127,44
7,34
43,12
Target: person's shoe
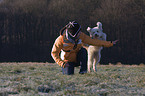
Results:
x,y
83,72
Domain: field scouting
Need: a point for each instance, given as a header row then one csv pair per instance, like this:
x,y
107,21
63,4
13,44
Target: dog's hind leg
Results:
x,y
95,65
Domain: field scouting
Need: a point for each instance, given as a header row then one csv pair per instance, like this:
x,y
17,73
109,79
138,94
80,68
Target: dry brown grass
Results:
x,y
35,79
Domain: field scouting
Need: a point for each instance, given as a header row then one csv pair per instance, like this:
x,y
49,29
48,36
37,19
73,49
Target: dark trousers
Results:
x,y
81,61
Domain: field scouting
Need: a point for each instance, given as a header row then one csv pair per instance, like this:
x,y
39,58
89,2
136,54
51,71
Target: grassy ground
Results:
x,y
46,79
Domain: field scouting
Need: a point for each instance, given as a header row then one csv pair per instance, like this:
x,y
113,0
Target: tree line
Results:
x,y
28,28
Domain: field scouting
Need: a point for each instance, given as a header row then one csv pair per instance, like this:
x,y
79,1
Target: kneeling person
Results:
x,y
69,44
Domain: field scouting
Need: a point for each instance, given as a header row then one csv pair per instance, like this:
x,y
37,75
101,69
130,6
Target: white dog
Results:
x,y
94,52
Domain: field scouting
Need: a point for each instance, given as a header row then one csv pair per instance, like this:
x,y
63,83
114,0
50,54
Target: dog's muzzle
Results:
x,y
95,36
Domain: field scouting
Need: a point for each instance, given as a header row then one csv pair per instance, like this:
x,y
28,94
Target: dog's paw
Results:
x,y
89,71
95,70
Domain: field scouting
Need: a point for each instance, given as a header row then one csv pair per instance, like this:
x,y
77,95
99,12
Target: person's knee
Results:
x,y
69,70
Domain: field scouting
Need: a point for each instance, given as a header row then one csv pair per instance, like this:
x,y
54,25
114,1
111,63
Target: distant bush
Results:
x,y
25,6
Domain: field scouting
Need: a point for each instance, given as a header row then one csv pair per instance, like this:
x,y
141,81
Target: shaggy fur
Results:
x,y
94,52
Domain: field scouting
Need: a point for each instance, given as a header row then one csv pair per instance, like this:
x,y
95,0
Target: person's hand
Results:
x,y
114,42
66,65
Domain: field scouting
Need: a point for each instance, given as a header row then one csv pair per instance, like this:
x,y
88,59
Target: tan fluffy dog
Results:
x,y
94,52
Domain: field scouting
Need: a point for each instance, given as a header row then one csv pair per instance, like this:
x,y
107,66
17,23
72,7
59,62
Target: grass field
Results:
x,y
46,79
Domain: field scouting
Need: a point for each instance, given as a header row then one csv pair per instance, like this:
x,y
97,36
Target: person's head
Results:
x,y
73,28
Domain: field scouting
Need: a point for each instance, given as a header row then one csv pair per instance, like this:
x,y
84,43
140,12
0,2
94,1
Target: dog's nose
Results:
x,y
96,35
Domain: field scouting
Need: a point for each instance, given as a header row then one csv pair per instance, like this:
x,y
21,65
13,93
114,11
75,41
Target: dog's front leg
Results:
x,y
90,61
96,61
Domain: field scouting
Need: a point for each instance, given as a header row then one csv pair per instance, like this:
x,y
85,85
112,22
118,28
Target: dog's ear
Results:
x,y
88,29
